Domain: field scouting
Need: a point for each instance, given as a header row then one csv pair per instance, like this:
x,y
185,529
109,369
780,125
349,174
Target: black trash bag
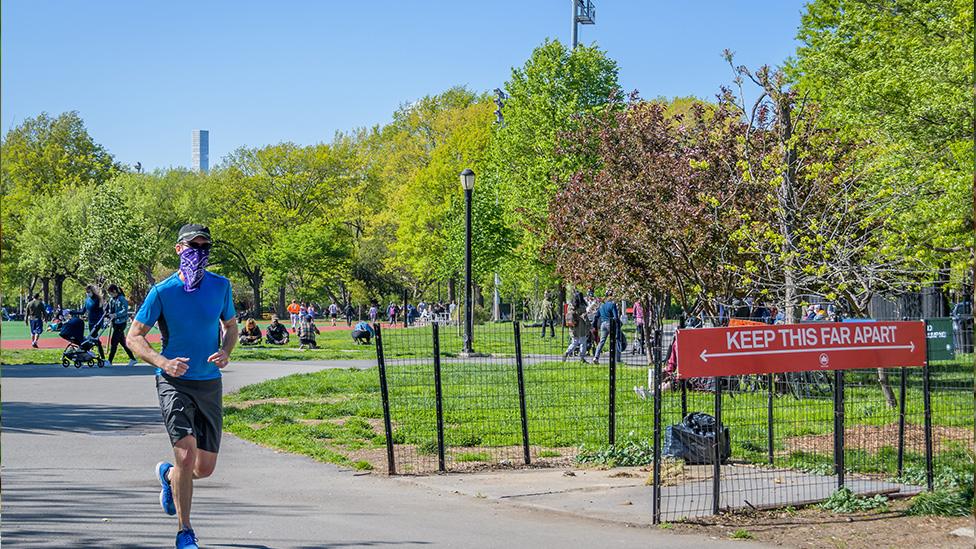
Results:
x,y
693,440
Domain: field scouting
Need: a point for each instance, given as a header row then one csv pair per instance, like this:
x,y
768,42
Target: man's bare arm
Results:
x,y
137,342
231,331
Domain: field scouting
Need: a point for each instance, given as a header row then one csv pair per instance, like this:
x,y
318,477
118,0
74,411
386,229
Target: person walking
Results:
x,y
548,316
607,314
581,329
118,307
349,312
293,310
35,318
333,312
95,309
195,311
373,312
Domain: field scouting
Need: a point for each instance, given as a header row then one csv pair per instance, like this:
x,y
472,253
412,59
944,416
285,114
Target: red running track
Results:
x,y
58,343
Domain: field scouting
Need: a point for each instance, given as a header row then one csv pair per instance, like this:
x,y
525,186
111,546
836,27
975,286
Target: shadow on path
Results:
x,y
37,417
56,370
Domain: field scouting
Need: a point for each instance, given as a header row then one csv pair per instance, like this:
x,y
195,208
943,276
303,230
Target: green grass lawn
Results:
x,y
325,415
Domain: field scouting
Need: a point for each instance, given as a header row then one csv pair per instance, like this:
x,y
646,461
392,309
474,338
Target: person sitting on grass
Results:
x,y
362,333
276,334
251,334
306,333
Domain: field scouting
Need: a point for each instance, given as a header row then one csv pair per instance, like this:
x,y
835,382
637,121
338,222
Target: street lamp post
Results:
x,y
467,183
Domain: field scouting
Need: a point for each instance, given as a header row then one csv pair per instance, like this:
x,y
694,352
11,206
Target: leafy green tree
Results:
x,y
314,258
265,191
430,206
899,75
51,238
115,244
38,158
547,95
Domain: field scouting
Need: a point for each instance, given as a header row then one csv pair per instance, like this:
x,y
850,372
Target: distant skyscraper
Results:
x,y
201,150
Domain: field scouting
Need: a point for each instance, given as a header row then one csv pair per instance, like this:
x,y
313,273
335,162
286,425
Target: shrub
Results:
x,y
628,454
845,501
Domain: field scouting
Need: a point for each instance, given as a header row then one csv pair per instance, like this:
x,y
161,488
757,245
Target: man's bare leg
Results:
x,y
203,467
181,478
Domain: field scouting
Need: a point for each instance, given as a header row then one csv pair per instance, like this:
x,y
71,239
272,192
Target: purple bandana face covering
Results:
x,y
193,263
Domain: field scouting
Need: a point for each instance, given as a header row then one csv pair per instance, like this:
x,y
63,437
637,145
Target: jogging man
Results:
x,y
195,312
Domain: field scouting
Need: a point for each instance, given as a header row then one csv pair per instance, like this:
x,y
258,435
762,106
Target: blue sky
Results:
x,y
144,74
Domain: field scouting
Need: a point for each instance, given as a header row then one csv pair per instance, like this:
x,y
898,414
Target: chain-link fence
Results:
x,y
524,394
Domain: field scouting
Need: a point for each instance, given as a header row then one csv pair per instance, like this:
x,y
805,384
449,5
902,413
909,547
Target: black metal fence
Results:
x,y
520,400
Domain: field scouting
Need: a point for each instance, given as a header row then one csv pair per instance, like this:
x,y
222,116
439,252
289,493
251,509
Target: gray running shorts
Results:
x,y
192,407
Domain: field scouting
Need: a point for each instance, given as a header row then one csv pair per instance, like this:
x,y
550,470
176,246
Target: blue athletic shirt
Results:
x,y
189,321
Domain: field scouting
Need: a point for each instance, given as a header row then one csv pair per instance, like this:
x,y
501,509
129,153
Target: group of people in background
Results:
x,y
100,313
592,318
423,312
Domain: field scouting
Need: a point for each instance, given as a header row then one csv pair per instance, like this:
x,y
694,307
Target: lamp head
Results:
x,y
467,179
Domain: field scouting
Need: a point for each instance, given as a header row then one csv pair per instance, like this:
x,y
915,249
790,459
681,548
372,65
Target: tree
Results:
x,y
39,158
51,238
266,191
546,95
655,213
430,205
312,257
114,242
899,75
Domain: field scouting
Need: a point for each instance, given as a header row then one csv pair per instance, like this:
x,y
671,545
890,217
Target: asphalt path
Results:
x,y
79,447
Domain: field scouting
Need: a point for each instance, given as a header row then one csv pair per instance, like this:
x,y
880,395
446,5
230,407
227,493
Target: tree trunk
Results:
x,y
451,290
150,279
282,311
256,278
46,289
59,289
786,204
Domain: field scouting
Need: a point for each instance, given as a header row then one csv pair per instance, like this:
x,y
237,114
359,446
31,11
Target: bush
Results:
x,y
945,502
845,501
628,454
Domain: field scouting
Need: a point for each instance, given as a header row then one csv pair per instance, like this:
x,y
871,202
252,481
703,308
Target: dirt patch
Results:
x,y
815,528
872,438
410,461
244,404
314,422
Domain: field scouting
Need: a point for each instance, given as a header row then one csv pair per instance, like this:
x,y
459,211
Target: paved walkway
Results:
x,y
79,448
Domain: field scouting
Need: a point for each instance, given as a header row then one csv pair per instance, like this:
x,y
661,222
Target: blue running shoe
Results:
x,y
186,539
166,494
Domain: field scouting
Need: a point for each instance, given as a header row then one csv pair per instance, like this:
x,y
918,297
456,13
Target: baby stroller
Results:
x,y
79,349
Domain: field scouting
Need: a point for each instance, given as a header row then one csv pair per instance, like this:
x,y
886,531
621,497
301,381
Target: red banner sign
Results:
x,y
743,350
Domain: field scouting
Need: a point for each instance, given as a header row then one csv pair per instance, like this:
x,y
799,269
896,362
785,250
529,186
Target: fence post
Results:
x,y
717,456
927,400
521,389
613,381
656,501
839,427
770,381
683,382
901,421
438,401
385,396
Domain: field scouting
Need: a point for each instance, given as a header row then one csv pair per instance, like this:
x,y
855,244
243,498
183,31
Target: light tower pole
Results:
x,y
584,12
